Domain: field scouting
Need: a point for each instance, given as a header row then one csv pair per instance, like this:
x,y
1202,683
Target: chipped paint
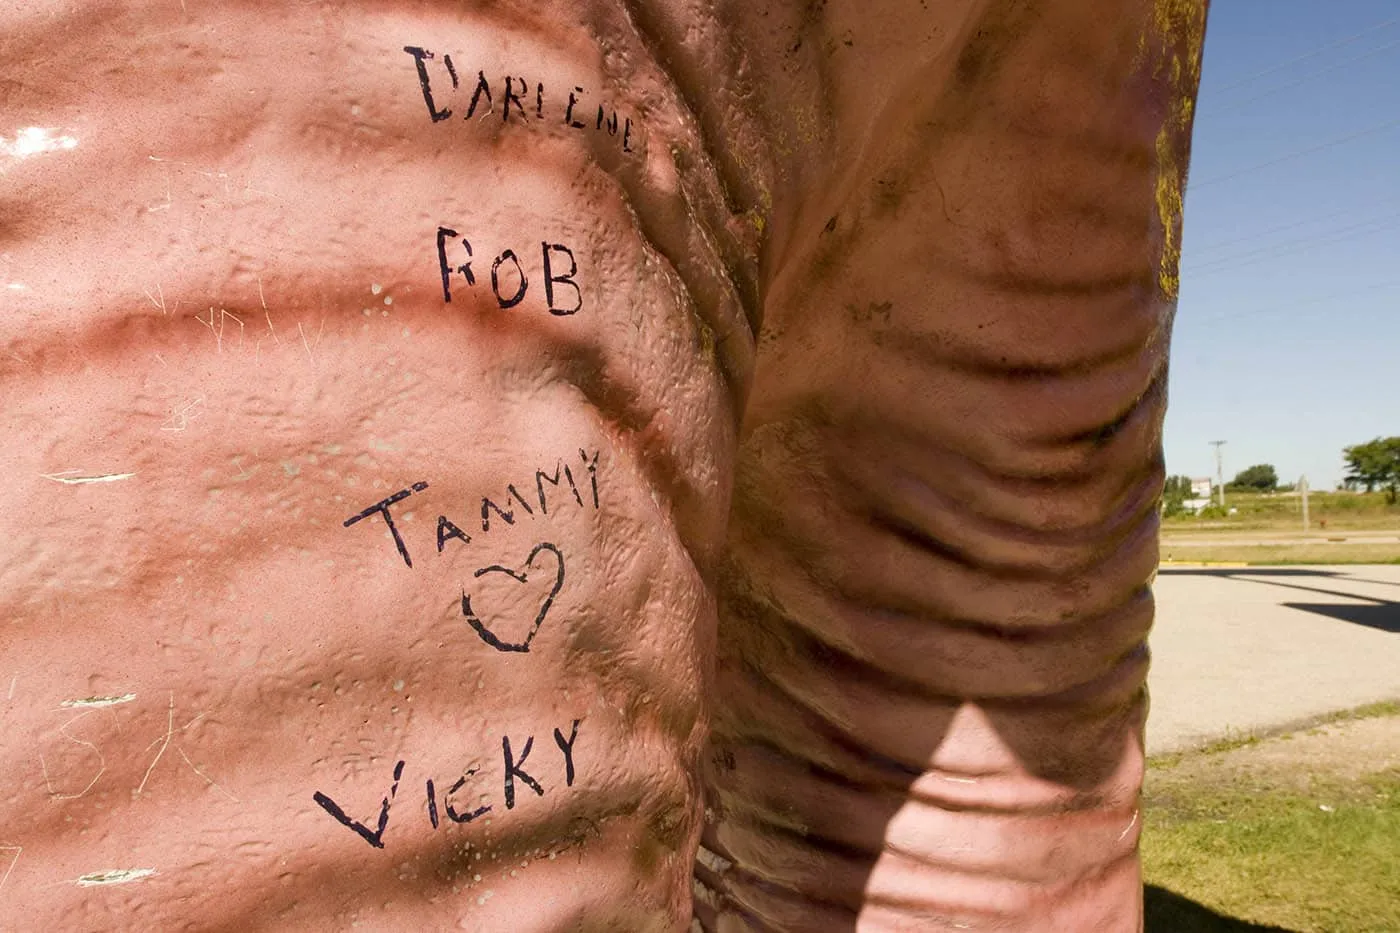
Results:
x,y
114,876
713,861
69,479
98,702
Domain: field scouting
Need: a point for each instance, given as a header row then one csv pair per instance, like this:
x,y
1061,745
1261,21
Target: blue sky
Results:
x,y
1287,339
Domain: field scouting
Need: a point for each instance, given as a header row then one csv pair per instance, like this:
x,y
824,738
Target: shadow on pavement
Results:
x,y
1268,572
1385,616
1380,614
1169,912
1247,572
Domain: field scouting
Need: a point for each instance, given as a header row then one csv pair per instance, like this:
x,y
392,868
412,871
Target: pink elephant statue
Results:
x,y
583,466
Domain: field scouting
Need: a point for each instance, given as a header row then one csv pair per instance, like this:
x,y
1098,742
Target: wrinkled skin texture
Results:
x,y
861,409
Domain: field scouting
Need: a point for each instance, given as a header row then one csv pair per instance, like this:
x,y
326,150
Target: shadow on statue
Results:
x,y
1168,912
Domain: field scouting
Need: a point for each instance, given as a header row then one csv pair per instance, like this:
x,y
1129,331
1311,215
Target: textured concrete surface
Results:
x,y
1260,648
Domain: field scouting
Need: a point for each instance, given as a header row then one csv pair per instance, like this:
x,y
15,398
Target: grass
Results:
x,y
1299,851
1284,512
1327,860
1234,740
1277,518
1273,554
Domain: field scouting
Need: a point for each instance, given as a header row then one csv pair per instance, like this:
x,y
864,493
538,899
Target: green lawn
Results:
x,y
1270,554
1283,512
1225,849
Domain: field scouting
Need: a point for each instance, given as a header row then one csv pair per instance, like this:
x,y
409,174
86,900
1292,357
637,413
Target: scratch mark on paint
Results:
x,y
164,743
309,354
158,299
1131,824
94,702
181,417
102,761
17,850
713,861
166,740
68,479
13,680
267,314
114,876
218,332
212,783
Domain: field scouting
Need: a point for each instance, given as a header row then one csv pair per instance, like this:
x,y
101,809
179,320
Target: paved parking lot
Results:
x,y
1259,648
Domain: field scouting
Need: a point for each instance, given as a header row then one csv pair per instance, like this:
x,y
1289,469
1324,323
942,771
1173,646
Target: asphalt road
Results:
x,y
1224,539
1263,648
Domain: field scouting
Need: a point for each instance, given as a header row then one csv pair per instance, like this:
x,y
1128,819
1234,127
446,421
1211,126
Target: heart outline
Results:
x,y
480,627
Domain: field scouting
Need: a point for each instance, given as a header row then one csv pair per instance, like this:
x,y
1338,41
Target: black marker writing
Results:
x,y
375,838
489,636
568,749
420,57
569,113
550,279
510,282
592,472
512,96
440,803
382,508
448,530
452,813
519,295
516,506
481,88
465,269
514,769
515,91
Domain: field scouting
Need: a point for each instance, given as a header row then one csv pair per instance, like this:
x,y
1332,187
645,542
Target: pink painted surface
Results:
x,y
236,698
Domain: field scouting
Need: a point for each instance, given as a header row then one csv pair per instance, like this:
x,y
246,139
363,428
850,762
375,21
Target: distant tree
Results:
x,y
1260,478
1174,496
1375,464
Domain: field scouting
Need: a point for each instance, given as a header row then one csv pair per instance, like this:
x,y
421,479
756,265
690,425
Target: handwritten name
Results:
x,y
508,509
509,283
515,780
516,96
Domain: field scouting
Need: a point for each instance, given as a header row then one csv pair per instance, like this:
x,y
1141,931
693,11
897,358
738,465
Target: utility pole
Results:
x,y
1303,488
1219,470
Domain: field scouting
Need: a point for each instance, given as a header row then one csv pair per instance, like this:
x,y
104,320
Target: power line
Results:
x,y
1265,253
1306,302
1239,105
1335,44
1331,143
1282,228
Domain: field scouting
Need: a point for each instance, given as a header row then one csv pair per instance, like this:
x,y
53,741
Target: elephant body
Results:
x,y
465,460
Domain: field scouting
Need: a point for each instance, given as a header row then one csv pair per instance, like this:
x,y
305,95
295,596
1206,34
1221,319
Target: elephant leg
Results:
x,y
370,376
934,610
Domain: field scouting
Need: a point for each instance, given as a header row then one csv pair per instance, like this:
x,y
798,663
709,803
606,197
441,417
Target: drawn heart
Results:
x,y
490,637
